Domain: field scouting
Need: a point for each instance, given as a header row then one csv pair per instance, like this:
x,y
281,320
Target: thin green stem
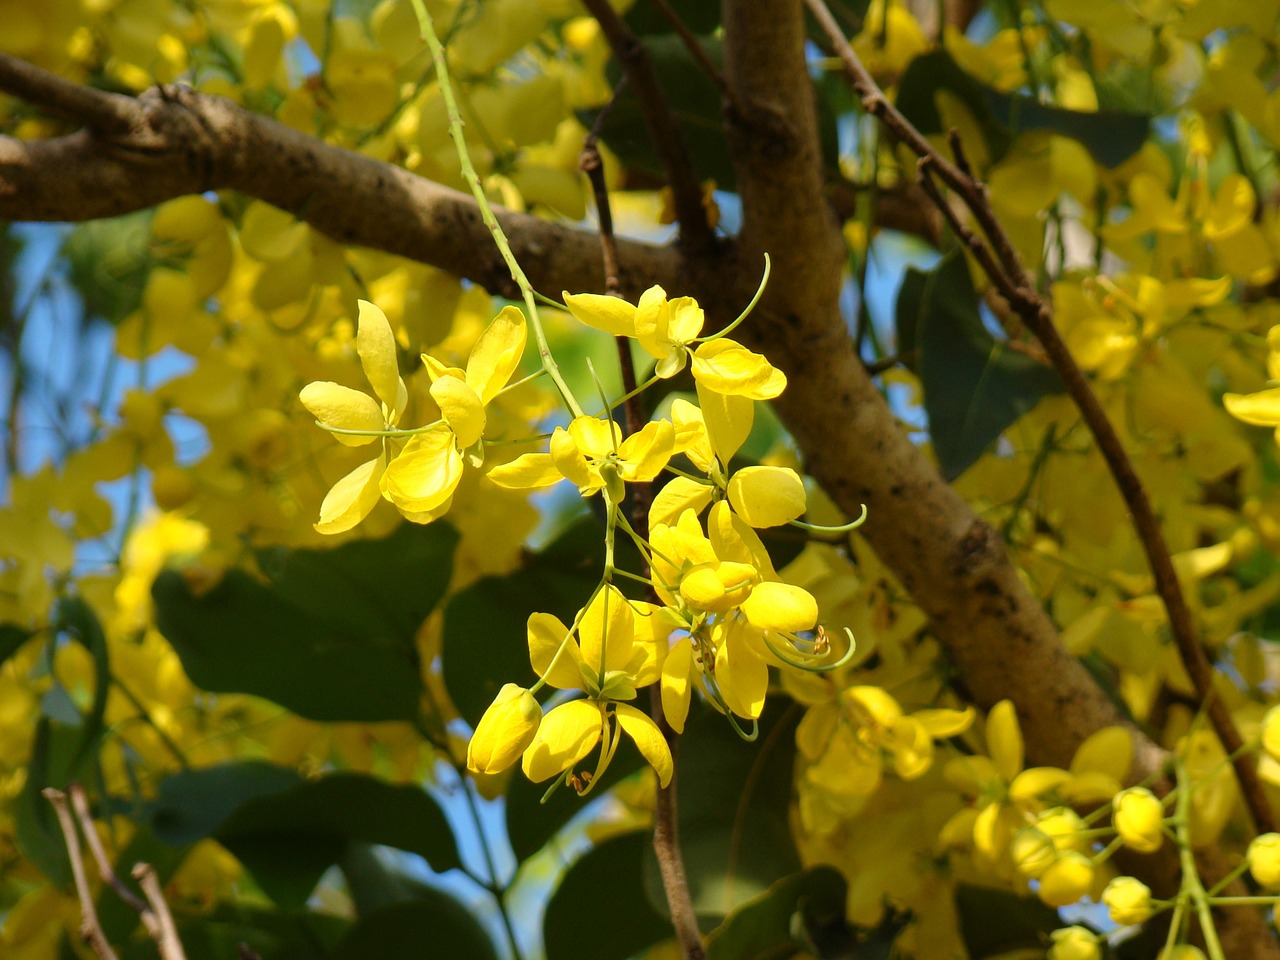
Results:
x,y
1192,888
428,30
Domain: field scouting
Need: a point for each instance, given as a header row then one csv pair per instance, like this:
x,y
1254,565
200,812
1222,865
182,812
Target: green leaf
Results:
x,y
330,637
994,922
694,101
57,759
532,823
974,385
698,15
436,925
1110,136
74,616
485,625
287,832
735,844
600,906
12,638
804,912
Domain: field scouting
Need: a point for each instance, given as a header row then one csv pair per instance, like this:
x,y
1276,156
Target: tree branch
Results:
x,y
90,927
667,139
1001,263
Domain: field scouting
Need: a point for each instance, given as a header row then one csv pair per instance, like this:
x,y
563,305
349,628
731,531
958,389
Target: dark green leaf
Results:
x,y
974,386
485,635
74,616
1110,136
12,637
531,823
698,15
193,804
803,912
57,759
435,926
694,100
994,922
735,844
600,908
117,918
376,878
331,637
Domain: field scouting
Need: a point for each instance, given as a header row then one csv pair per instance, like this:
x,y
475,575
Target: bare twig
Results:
x,y
660,121
80,803
1002,265
161,927
90,927
666,840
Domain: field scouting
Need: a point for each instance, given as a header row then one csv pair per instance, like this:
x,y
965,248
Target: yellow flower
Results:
x,y
667,329
1033,852
1128,900
1264,860
593,455
342,410
615,653
1074,943
506,729
1068,879
1139,819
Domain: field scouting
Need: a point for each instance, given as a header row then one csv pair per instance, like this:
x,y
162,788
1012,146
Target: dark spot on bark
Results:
x,y
897,488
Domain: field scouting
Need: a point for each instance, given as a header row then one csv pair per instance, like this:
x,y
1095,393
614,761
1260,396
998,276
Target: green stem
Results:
x,y
1192,888
549,364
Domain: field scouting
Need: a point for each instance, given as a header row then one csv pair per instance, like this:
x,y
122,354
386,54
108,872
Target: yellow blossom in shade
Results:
x,y
593,455
668,330
1264,860
1074,943
1128,900
1181,951
506,729
1139,819
1067,879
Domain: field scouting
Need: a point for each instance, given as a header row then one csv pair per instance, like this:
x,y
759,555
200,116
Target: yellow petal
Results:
x,y
728,420
652,744
609,623
610,314
352,497
426,472
496,354
461,407
530,471
686,320
676,685
546,636
742,676
652,317
767,496
1109,751
945,723
566,735
376,345
595,437
1261,409
506,729
912,748
572,464
1035,782
1004,739
781,606
730,368
646,452
677,496
338,406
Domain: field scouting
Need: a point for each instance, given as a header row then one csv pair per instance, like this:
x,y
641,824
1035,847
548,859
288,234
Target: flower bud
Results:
x,y
1068,878
1128,900
1264,860
1033,852
505,730
1065,827
1181,951
1074,943
1139,819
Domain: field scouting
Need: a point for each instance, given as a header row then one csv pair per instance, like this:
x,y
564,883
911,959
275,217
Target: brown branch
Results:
x,y
666,839
1002,265
160,925
80,803
90,926
660,122
110,113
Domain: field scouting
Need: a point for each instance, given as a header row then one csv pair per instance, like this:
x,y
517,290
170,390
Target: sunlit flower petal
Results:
x,y
376,345
352,498
566,735
338,406
648,738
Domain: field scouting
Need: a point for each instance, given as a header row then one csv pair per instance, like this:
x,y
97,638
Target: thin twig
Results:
x,y
80,803
1006,271
165,933
90,927
661,124
698,52
666,840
